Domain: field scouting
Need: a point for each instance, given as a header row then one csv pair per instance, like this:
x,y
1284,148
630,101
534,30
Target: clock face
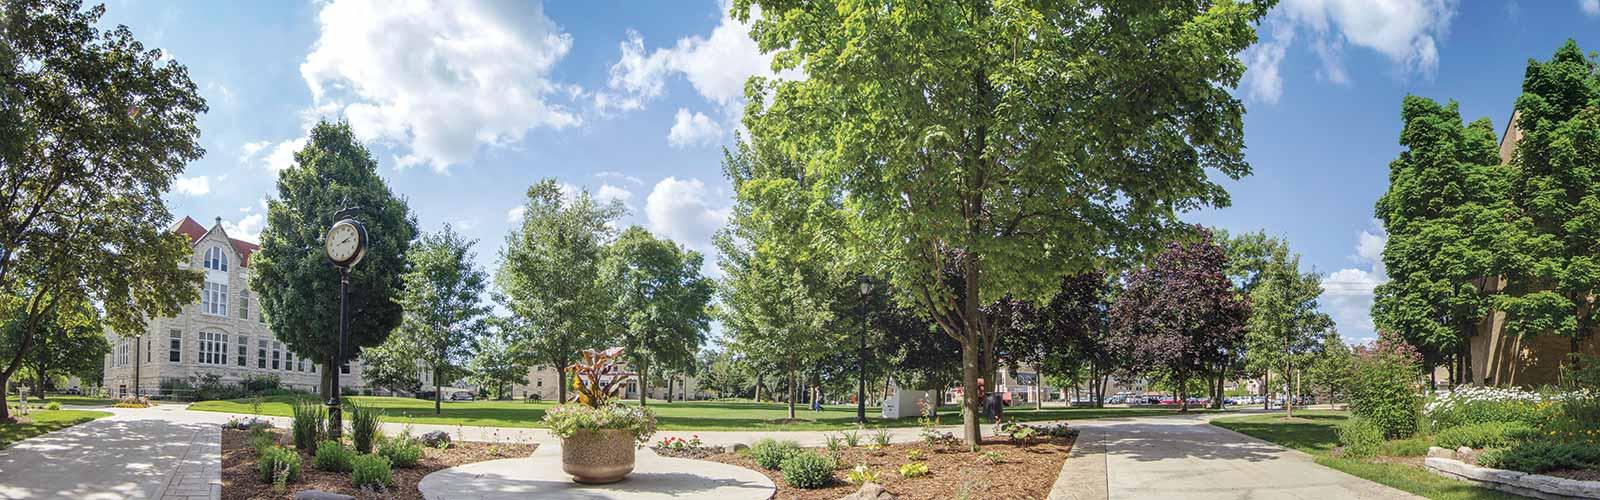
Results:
x,y
343,242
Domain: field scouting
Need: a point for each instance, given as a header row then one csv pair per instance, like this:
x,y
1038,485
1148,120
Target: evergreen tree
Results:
x,y
299,288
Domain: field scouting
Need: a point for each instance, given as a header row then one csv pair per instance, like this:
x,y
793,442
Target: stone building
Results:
x,y
1501,359
222,334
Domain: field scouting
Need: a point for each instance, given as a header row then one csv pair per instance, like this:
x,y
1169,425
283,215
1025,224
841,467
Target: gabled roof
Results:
x,y
195,231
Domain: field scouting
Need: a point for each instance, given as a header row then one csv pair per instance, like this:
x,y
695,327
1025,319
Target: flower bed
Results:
x,y
240,480
1001,469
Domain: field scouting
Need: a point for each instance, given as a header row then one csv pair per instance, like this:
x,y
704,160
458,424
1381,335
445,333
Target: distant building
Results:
x,y
543,384
223,334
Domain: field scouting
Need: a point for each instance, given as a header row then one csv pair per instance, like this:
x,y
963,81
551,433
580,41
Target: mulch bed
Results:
x,y
1023,472
240,482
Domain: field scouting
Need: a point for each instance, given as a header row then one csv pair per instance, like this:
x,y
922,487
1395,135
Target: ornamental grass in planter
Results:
x,y
598,435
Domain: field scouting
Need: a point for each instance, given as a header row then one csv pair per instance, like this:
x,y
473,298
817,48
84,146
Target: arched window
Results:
x,y
216,259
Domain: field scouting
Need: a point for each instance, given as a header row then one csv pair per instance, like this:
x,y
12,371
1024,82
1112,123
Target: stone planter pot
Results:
x,y
598,457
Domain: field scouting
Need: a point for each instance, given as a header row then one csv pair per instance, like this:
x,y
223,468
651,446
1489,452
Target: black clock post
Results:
x,y
345,244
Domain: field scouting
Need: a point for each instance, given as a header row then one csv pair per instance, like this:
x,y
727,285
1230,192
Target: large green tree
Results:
x,y
549,276
94,127
777,294
1553,278
1445,213
1024,138
1285,329
299,287
662,303
444,313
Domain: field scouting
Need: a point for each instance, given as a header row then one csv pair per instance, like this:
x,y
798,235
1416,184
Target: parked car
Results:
x,y
75,391
461,396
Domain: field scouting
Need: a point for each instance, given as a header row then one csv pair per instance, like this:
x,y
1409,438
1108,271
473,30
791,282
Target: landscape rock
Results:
x,y
320,495
436,439
740,446
870,491
1437,452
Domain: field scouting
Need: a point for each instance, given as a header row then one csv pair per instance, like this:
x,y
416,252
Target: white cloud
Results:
x,y
515,214
693,129
440,78
1347,293
682,211
282,155
607,174
1407,32
248,228
248,151
609,193
716,65
1590,7
192,186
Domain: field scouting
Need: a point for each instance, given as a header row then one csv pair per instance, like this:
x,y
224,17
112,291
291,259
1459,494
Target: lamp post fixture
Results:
x,y
861,357
345,244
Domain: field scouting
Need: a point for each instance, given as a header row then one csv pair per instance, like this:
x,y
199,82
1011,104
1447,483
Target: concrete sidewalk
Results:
x,y
161,453
1186,457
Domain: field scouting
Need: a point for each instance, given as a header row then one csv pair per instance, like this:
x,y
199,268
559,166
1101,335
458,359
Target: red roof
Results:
x,y
188,227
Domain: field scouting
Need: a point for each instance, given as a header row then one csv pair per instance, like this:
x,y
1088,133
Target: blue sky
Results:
x,y
465,103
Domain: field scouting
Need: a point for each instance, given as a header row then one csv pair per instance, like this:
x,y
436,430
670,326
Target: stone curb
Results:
x,y
1439,462
1083,476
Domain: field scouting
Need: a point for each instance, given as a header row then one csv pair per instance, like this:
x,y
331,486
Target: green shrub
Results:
x,y
1483,435
275,460
1542,456
807,470
1411,447
309,425
332,457
371,470
770,453
1478,405
402,452
53,406
261,442
1383,392
1361,437
364,427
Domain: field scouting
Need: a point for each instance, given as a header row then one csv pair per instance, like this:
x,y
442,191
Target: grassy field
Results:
x,y
67,400
43,421
1316,433
690,415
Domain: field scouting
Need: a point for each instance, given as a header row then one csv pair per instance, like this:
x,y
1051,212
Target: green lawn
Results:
x,y
1315,432
67,400
691,415
43,421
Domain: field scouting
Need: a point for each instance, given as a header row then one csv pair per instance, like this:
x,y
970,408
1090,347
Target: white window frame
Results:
x,y
244,351
175,346
213,348
216,259
244,304
214,298
122,354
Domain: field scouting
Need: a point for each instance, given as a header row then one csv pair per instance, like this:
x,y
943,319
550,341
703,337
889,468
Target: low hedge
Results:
x,y
1542,456
1483,435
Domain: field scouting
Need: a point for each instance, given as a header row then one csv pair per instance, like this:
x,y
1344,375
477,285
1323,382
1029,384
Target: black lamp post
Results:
x,y
861,357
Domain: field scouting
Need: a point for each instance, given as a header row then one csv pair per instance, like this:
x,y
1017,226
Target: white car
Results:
x,y
461,396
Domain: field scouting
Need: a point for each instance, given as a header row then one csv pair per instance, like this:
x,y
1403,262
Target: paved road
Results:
x,y
1186,457
165,453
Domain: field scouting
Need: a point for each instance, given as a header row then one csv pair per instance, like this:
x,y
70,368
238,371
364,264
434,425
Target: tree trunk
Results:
x,y
970,397
1288,399
669,390
1183,394
438,396
791,388
644,380
561,386
1266,385
1038,388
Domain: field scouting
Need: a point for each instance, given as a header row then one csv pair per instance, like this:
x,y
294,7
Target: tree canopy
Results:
x,y
444,314
661,308
549,276
299,287
1179,316
1445,213
1037,135
1553,275
94,128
